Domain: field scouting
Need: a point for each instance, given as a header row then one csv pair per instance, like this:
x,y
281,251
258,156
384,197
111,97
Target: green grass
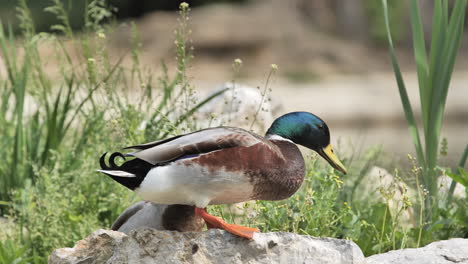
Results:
x,y
13,252
60,123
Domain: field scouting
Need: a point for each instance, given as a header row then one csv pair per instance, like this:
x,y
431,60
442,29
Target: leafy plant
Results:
x,y
434,74
461,176
59,210
11,252
59,113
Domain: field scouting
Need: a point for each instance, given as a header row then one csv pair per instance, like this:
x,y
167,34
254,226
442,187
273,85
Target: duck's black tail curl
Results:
x,y
113,166
130,174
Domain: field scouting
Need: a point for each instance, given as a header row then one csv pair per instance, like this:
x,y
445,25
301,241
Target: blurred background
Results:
x,y
332,57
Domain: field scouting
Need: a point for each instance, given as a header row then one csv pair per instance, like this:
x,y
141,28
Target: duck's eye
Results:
x,y
320,127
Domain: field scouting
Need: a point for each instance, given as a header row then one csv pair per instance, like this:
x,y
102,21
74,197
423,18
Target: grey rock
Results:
x,y
440,252
444,182
214,246
238,106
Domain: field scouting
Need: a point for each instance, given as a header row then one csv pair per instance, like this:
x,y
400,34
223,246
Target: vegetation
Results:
x,y
434,74
55,125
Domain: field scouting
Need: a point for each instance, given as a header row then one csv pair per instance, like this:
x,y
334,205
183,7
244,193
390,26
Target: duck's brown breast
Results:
x,y
283,177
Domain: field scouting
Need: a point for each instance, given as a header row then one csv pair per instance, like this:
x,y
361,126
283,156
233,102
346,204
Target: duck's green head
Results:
x,y
308,130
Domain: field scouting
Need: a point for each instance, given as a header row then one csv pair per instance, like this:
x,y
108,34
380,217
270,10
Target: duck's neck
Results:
x,y
277,137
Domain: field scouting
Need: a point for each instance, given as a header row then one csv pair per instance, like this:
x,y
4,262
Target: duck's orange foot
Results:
x,y
215,222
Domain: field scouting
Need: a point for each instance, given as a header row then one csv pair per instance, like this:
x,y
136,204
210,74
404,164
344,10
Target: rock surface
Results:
x,y
214,246
440,252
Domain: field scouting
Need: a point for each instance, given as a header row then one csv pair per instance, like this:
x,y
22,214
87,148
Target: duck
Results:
x,y
224,165
171,217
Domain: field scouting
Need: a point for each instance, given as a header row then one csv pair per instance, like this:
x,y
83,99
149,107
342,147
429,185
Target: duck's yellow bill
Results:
x,y
328,154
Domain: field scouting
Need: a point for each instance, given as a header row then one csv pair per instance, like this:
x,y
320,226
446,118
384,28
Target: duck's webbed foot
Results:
x,y
215,222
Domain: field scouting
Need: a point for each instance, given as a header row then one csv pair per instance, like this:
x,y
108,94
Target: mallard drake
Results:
x,y
175,217
224,165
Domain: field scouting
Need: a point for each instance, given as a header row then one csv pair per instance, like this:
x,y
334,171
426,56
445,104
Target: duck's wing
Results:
x,y
199,142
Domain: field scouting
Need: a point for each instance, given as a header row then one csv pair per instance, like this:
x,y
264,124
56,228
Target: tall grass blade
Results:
x,y
440,89
420,54
433,84
402,90
439,26
19,90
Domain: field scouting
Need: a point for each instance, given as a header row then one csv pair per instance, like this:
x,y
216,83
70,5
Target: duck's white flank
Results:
x,y
276,137
178,183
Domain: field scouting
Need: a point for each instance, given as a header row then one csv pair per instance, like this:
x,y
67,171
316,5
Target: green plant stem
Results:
x,y
262,99
402,90
383,228
421,209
